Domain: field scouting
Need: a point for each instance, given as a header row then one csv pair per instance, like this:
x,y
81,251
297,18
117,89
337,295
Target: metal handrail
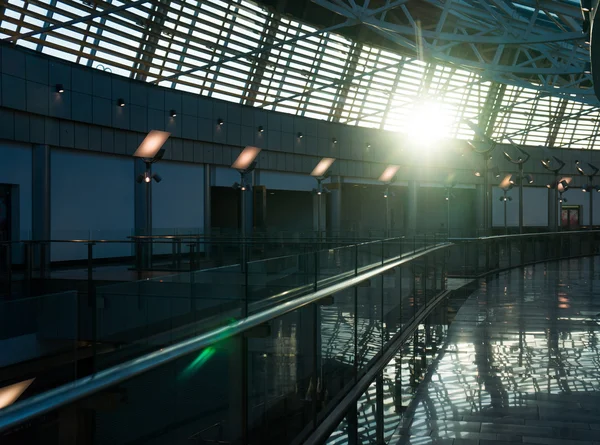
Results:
x,y
69,393
523,235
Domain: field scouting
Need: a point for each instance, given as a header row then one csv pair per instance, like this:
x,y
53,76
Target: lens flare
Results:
x,y
429,122
199,361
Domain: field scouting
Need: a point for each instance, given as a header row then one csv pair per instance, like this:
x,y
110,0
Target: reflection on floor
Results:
x,y
521,364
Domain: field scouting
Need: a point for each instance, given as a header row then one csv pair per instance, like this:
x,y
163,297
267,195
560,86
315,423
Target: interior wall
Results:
x,y
535,207
432,211
91,196
363,208
286,181
178,200
576,197
16,169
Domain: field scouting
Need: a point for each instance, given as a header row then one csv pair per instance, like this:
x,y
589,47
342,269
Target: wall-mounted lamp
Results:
x,y
496,172
60,88
238,186
300,135
261,129
147,177
368,145
173,113
477,173
587,68
220,121
586,5
322,167
121,102
334,140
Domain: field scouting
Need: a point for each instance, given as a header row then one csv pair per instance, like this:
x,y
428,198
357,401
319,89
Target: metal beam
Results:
x,y
70,23
279,44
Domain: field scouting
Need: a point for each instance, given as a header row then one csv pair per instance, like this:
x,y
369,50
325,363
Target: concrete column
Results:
x,y
322,199
41,229
207,198
411,208
142,197
479,210
552,215
336,204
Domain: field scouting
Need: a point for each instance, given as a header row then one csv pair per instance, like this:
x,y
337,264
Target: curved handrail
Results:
x,y
523,235
71,392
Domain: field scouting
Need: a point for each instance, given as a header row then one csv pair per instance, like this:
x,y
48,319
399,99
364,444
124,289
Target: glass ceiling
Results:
x,y
201,46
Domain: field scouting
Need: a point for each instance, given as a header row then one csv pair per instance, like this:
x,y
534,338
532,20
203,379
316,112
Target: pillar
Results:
x,y
142,199
208,175
411,208
336,205
552,214
41,229
319,201
479,211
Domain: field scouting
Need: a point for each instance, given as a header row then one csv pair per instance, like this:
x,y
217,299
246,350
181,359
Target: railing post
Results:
x,y
316,275
9,268
355,259
28,268
379,408
43,259
92,301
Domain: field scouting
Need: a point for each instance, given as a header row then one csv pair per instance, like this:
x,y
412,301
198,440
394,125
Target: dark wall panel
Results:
x,y
289,211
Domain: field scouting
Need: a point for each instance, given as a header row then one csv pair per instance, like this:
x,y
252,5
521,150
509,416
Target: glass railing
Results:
x,y
282,344
370,414
263,351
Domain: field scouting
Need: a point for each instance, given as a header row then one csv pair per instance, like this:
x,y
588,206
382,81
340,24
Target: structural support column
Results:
x,y
142,198
336,205
208,175
41,205
319,212
411,209
552,210
480,217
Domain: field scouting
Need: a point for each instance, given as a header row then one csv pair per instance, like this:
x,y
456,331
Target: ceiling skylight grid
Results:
x,y
182,44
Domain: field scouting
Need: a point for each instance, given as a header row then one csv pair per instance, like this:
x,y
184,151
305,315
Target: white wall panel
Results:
x,y
178,200
535,208
225,177
91,197
287,181
16,169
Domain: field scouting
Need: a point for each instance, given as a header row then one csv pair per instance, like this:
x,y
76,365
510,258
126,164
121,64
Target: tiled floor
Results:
x,y
521,364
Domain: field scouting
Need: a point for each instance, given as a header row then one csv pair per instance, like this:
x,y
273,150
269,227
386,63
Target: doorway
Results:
x,y
570,217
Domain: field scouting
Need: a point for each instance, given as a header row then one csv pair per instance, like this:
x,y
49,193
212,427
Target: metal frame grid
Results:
x,y
242,52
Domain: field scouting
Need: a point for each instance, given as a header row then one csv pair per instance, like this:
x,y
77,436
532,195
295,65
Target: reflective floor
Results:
x,y
521,364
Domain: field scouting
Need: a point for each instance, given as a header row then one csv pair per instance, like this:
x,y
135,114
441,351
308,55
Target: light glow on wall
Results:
x,y
322,167
151,144
389,173
246,157
9,394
